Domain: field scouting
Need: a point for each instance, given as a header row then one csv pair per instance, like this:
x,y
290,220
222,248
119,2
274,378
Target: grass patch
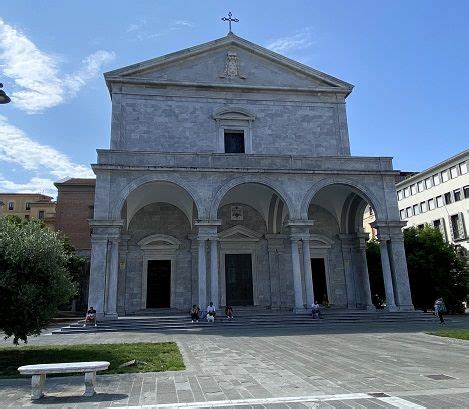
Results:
x,y
151,357
453,333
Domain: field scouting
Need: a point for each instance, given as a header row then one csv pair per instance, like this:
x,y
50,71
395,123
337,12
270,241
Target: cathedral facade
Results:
x,y
229,179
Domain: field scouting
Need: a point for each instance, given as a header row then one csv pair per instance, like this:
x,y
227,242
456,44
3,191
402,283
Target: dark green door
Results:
x,y
238,276
159,284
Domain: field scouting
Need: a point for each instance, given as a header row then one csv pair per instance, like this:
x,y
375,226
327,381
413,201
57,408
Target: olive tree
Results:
x,y
34,279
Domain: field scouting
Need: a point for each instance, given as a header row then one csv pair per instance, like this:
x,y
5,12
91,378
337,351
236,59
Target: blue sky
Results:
x,y
407,59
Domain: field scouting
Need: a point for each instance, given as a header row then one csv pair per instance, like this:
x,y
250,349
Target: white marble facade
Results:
x,y
167,190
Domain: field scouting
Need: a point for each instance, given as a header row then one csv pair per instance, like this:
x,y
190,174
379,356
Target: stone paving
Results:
x,y
327,369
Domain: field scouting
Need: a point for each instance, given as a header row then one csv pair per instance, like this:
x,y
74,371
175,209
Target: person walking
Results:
x,y
440,309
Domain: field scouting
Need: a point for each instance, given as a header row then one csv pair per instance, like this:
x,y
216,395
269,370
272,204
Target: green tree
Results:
x,y
34,279
435,269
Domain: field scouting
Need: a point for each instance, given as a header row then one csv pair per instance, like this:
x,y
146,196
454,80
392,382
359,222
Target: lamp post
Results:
x,y
4,98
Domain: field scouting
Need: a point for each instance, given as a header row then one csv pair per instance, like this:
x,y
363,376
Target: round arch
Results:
x,y
361,190
224,189
136,183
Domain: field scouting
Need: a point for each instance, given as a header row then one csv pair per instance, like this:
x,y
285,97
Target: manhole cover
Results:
x,y
439,377
378,395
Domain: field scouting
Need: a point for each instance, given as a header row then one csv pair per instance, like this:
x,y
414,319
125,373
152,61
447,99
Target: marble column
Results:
x,y
97,277
214,293
113,272
387,277
401,275
298,290
350,289
309,290
365,277
202,268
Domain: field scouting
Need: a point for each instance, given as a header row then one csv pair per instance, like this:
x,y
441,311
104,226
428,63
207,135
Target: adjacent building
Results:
x,y
439,196
29,206
229,179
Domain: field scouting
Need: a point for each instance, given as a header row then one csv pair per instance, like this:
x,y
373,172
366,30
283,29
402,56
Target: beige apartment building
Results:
x,y
29,206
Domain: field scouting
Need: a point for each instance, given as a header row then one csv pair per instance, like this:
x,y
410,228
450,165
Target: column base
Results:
x,y
406,307
301,310
370,307
112,316
391,308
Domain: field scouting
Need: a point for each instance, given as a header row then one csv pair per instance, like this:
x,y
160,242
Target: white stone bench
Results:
x,y
40,371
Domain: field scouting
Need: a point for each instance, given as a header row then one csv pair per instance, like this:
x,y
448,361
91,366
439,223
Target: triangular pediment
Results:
x,y
228,61
239,233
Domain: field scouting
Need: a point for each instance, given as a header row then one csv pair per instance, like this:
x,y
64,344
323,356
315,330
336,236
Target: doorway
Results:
x,y
159,284
318,268
238,277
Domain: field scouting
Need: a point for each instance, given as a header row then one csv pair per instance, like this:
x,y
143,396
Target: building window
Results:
x,y
416,209
40,214
406,192
457,226
431,204
402,212
440,225
448,198
11,205
400,195
454,172
90,212
466,192
439,201
463,168
234,141
436,180
420,226
28,206
26,216
423,207
420,186
457,195
408,212
428,183
413,189
445,176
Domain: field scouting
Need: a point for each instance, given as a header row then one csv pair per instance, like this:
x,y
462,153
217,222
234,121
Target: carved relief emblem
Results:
x,y
232,66
237,213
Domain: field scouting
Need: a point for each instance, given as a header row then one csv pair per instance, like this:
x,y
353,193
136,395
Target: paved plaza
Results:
x,y
312,368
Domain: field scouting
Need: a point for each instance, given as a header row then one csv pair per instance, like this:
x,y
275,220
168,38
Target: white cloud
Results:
x,y
183,23
34,185
17,147
298,41
38,80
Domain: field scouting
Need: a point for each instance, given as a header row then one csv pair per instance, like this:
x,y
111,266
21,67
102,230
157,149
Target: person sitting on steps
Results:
x,y
229,312
315,310
195,312
90,317
211,312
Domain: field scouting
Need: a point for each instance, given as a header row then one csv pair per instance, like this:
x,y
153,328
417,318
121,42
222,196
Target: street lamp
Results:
x,y
4,98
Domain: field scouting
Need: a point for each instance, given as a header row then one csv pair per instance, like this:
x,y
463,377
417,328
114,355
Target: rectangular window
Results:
x,y
11,205
408,212
448,198
407,192
416,209
463,168
431,204
234,141
440,225
413,189
466,192
428,183
445,176
457,226
28,206
439,201
40,214
423,207
420,226
402,212
420,186
457,195
454,172
400,195
26,216
436,180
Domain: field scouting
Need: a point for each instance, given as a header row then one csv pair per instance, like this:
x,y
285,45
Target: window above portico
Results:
x,y
234,124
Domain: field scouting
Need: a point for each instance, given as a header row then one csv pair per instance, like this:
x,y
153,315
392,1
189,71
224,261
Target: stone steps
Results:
x,y
180,323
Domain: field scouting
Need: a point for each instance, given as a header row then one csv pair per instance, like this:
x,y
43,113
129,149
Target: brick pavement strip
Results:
x,y
276,365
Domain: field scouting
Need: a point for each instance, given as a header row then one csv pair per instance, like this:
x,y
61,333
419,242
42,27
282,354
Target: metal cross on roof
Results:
x,y
229,19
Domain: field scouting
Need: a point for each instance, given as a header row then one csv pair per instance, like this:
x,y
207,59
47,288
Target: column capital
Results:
x,y
300,223
207,222
383,238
